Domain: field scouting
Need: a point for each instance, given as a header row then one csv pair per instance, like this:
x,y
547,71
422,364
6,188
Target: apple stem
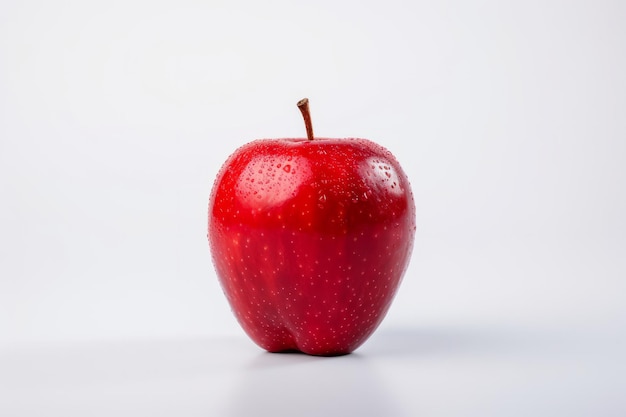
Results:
x,y
303,105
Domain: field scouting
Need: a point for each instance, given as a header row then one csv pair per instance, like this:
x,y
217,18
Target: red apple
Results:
x,y
310,239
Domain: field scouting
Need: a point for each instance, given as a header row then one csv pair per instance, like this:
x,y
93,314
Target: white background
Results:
x,y
508,117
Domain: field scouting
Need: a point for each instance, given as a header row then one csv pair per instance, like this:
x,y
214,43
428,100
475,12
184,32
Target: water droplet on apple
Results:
x,y
287,168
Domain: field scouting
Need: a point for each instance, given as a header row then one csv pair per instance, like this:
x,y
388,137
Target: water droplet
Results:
x,y
287,168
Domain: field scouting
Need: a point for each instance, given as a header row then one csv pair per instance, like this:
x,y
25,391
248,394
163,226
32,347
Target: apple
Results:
x,y
310,239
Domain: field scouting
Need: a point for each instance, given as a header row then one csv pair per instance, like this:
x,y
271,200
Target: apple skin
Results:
x,y
310,240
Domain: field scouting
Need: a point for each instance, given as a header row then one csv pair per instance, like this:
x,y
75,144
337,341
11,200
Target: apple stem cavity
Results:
x,y
303,105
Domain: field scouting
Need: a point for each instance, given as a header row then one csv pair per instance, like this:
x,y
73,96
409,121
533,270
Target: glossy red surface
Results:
x,y
310,240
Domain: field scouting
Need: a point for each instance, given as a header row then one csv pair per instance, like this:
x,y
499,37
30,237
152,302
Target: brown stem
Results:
x,y
303,105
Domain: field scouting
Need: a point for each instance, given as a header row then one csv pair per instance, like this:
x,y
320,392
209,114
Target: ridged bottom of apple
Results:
x,y
291,345
285,341
311,353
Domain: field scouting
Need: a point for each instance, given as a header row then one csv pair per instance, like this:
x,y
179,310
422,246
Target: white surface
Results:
x,y
507,116
437,371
